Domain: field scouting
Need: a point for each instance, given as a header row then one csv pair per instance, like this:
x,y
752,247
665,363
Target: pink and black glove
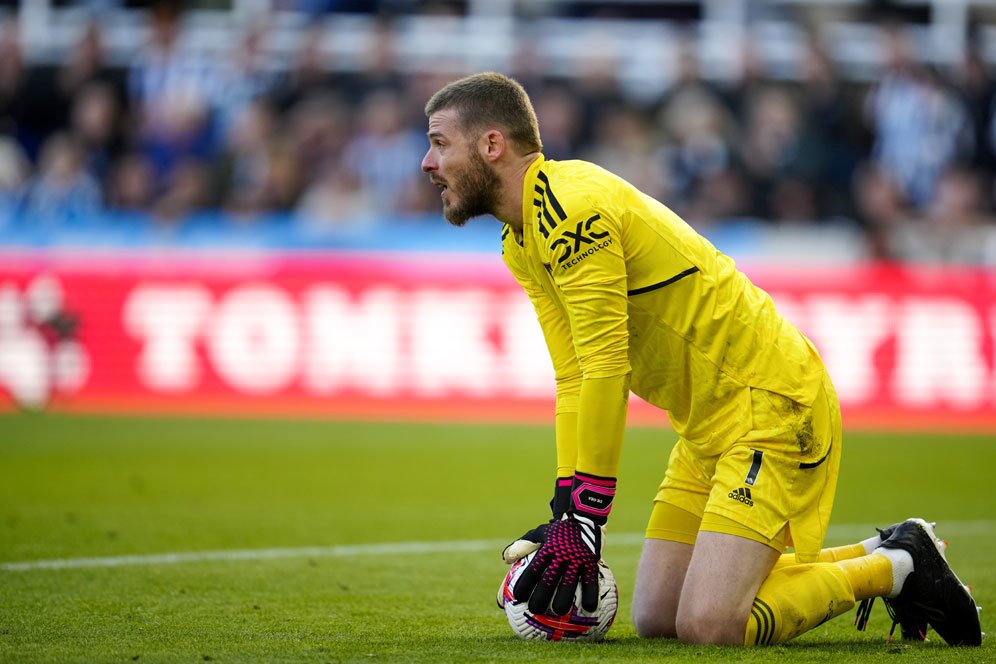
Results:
x,y
570,550
534,538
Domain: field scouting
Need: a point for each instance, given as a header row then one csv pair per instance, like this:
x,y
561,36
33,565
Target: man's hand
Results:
x,y
522,547
568,556
569,548
533,539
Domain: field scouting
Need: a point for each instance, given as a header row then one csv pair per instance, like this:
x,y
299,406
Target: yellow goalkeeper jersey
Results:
x,y
629,296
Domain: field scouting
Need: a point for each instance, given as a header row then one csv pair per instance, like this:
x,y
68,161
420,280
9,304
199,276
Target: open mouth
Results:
x,y
442,186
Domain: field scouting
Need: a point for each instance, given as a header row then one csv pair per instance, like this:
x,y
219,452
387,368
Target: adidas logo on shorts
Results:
x,y
742,495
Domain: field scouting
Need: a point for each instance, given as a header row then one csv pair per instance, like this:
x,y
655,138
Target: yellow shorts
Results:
x,y
775,485
669,522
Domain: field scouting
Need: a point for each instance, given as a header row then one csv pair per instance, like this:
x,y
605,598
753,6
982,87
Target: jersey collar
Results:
x,y
529,190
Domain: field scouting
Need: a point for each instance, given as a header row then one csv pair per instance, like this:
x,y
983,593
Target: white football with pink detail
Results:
x,y
578,625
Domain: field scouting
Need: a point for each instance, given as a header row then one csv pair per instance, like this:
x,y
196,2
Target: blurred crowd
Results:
x,y
909,158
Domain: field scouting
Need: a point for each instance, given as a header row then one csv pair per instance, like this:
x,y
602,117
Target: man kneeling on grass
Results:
x,y
630,297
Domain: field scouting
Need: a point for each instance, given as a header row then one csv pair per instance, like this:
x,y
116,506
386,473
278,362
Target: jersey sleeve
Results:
x,y
557,334
586,260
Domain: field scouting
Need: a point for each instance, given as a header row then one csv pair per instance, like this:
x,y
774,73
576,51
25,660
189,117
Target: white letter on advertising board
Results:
x,y
254,339
450,350
848,330
167,321
525,369
352,344
939,356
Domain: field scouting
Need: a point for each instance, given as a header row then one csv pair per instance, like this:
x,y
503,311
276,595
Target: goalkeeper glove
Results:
x,y
533,539
561,501
570,550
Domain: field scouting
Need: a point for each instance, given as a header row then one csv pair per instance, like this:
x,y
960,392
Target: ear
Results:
x,y
492,145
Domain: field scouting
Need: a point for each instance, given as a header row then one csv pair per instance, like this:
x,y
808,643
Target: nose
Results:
x,y
428,163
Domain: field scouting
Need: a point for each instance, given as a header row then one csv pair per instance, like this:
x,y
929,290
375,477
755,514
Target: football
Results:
x,y
578,625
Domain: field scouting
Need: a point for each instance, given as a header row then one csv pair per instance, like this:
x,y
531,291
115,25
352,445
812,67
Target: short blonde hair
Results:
x,y
487,100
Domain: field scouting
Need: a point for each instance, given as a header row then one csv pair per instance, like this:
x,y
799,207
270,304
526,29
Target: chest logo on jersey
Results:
x,y
572,247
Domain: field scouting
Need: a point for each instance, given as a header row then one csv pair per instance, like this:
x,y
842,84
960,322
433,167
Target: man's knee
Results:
x,y
720,586
651,623
659,580
653,614
703,624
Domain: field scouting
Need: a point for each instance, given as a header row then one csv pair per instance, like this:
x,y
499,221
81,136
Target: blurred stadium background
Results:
x,y
216,207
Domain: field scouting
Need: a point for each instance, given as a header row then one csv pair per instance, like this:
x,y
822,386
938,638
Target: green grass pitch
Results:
x,y
313,524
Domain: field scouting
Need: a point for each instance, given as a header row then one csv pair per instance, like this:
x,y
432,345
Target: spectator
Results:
x,y
382,154
45,95
721,196
241,78
558,110
12,76
881,208
699,149
336,199
14,170
172,90
284,183
954,228
530,66
596,87
84,67
750,75
977,90
688,80
311,73
187,191
131,184
779,166
379,65
420,86
319,127
420,199
243,166
261,172
920,127
62,189
95,122
20,115
625,144
827,134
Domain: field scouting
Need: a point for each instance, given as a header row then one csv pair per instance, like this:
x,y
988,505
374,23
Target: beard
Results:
x,y
478,186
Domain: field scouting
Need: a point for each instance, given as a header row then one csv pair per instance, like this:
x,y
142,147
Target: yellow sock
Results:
x,y
796,598
869,576
832,555
846,552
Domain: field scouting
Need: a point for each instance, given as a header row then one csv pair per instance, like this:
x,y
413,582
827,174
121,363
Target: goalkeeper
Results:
x,y
630,298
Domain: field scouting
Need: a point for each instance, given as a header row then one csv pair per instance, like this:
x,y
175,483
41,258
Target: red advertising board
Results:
x,y
439,336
